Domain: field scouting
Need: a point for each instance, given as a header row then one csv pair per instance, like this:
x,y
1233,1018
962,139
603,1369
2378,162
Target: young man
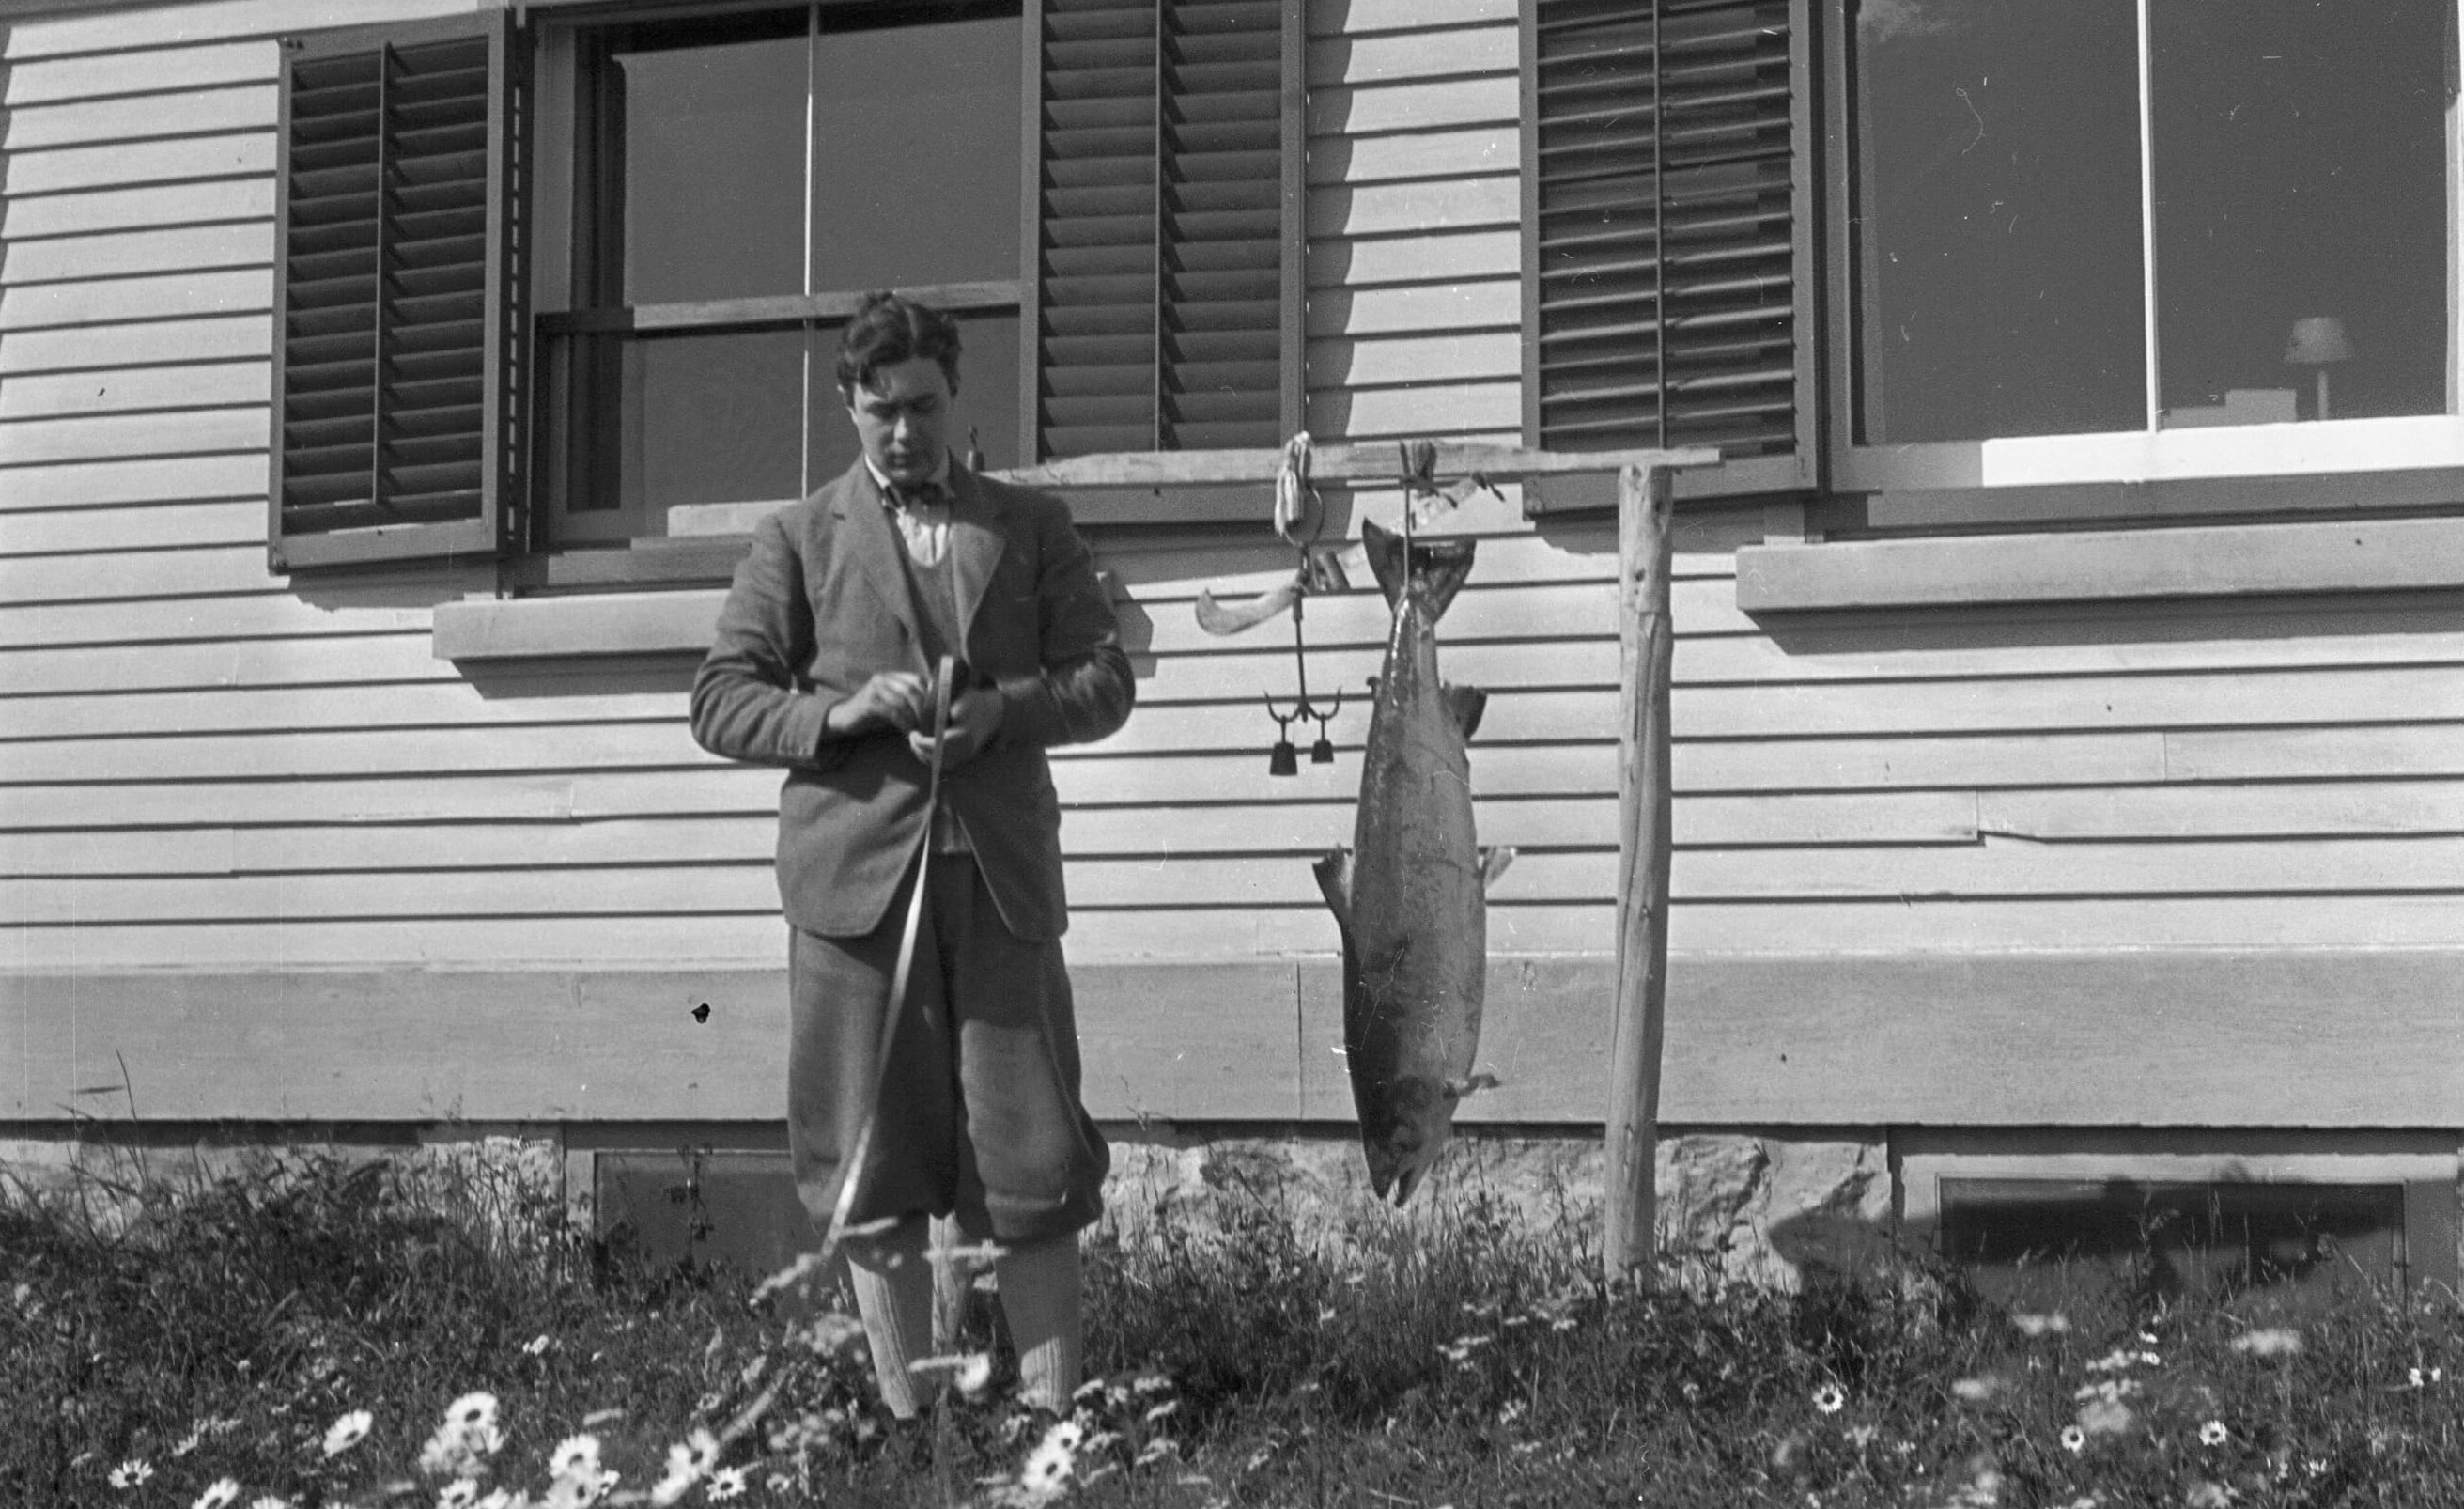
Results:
x,y
823,663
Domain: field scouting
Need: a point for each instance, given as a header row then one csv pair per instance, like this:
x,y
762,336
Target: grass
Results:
x,y
174,1341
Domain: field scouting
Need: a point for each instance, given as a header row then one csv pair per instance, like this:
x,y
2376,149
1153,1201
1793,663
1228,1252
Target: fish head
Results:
x,y
1402,1142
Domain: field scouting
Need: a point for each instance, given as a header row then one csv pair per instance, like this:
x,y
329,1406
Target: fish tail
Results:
x,y
1433,573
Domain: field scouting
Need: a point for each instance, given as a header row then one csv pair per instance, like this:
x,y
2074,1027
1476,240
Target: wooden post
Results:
x,y
1646,535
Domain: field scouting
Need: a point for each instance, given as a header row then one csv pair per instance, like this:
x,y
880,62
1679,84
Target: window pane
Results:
x,y
915,160
2300,178
714,170
712,419
1998,229
987,396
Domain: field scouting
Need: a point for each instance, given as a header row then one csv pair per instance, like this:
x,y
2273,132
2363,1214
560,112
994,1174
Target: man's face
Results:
x,y
902,417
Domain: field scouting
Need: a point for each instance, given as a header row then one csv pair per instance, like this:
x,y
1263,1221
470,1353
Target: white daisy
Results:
x,y
728,1482
220,1494
463,1493
131,1473
348,1431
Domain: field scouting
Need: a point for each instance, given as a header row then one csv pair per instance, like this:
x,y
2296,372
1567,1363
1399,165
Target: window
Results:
x,y
1105,192
2070,234
738,184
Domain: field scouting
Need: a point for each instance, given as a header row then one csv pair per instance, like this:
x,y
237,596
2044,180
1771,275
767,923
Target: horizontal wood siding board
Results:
x,y
1343,262
68,170
1414,209
76,530
124,253
83,830
2063,1040
69,79
102,348
110,483
1464,305
156,207
112,301
1370,17
193,111
1366,109
1402,156
197,385
137,32
1847,929
1401,58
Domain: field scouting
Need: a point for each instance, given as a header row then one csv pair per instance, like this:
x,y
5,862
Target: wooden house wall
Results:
x,y
256,836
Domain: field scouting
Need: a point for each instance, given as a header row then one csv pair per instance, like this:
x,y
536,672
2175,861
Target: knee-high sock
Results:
x,y
1039,1283
893,1294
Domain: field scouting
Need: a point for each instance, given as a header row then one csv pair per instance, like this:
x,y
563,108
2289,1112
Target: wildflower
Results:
x,y
476,1410
221,1494
728,1482
2269,1342
1862,1437
2208,1495
537,1345
2041,1324
1048,1468
462,1493
599,1417
2112,1361
1150,1382
1157,1450
2214,1433
779,1482
347,1431
269,1501
2421,1380
2074,1439
1162,1410
688,1463
575,1456
131,1473
1828,1399
2107,1416
467,1438
1975,1390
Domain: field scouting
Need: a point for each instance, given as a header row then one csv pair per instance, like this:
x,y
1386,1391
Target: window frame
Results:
x,y
573,220
2370,462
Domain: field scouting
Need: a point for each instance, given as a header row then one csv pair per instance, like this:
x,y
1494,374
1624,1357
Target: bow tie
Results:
x,y
905,495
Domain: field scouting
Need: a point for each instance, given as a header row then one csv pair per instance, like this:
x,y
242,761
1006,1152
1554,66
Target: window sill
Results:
x,y
604,625
2227,561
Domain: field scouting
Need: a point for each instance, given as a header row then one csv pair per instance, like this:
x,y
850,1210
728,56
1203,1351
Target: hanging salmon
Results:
x,y
1409,897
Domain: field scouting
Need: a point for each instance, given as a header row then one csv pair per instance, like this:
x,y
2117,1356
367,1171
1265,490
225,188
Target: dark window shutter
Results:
x,y
1166,289
394,292
1669,260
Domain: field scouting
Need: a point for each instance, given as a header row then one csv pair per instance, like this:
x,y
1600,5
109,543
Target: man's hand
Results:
x,y
895,700
975,717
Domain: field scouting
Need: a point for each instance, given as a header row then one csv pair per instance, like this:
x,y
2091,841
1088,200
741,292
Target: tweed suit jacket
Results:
x,y
822,603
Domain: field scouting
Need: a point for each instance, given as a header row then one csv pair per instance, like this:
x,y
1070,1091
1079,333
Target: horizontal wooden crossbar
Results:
x,y
1375,462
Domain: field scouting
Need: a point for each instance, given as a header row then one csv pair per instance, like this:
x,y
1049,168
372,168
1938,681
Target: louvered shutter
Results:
x,y
1669,259
394,295
1165,299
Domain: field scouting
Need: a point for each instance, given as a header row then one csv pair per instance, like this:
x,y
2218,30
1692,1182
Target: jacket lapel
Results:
x,y
977,540
872,547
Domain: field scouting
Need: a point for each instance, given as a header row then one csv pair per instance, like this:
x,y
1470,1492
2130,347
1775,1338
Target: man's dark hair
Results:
x,y
890,328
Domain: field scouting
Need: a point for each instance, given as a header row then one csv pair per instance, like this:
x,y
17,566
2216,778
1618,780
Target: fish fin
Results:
x,y
1465,704
1436,571
1493,862
1333,872
1457,1089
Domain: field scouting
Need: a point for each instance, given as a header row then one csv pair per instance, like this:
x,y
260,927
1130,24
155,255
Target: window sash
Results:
x,y
2348,450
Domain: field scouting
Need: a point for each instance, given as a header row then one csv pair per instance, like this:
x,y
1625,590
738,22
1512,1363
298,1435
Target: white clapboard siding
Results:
x,y
188,112
2237,811
167,26
202,385
26,442
1420,154
106,482
53,305
1370,17
68,531
67,170
97,212
121,253
334,660
88,348
71,80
